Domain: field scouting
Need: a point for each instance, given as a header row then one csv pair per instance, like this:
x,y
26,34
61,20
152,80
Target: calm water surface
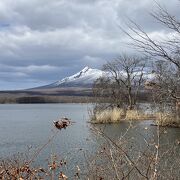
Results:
x,y
29,126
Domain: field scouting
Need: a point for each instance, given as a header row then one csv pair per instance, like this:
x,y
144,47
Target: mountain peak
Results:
x,y
85,69
84,77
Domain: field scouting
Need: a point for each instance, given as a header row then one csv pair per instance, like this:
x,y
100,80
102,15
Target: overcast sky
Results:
x,y
42,41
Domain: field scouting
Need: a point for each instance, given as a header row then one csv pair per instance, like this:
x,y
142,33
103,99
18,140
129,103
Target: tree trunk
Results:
x,y
130,99
178,110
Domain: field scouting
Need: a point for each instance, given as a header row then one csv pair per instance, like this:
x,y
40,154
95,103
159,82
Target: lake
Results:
x,y
26,127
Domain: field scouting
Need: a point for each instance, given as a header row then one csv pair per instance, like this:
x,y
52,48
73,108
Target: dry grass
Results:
x,y
116,115
138,115
167,119
108,116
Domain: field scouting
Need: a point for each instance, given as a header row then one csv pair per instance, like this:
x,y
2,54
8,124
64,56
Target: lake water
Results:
x,y
32,125
29,126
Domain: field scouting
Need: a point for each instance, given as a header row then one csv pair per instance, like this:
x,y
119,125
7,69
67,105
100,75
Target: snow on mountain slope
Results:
x,y
85,77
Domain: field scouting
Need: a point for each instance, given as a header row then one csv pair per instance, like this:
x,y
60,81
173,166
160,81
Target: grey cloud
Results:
x,y
45,40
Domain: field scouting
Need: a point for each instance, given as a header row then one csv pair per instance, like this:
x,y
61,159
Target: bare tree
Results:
x,y
124,80
166,49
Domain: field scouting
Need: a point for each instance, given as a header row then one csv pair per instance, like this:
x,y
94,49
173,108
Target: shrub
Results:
x,y
137,115
166,119
108,116
116,114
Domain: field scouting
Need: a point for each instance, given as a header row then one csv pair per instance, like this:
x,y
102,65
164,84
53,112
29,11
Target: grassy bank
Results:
x,y
116,115
108,116
167,119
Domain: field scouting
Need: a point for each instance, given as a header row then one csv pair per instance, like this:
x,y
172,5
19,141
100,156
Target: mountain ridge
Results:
x,y
83,78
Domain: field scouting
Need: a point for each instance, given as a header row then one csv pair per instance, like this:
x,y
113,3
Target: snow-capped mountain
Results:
x,y
84,78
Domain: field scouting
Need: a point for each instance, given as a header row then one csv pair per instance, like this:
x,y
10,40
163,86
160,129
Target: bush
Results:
x,y
137,115
108,116
166,119
116,114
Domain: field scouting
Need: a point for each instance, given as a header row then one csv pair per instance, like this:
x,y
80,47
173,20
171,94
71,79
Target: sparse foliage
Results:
x,y
165,50
122,84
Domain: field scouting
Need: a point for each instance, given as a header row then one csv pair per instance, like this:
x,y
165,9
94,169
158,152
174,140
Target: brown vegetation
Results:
x,y
114,159
166,56
21,166
138,115
124,84
123,159
108,116
167,119
116,115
